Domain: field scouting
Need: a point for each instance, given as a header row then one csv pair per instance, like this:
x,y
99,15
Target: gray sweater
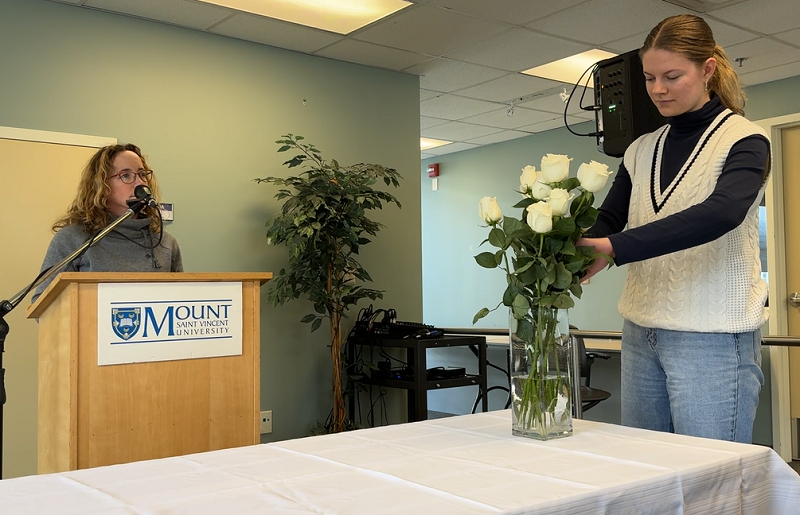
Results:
x,y
125,249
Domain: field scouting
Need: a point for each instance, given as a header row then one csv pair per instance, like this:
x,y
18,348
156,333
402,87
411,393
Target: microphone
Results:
x,y
144,194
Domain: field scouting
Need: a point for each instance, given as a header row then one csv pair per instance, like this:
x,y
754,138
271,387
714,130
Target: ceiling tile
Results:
x,y
553,123
554,104
628,43
518,49
194,15
453,107
790,36
762,53
428,30
275,33
425,94
499,118
765,16
726,35
372,55
446,75
426,122
457,131
498,137
517,13
509,87
770,74
600,21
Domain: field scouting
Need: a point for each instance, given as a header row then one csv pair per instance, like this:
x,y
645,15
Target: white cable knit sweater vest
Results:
x,y
715,287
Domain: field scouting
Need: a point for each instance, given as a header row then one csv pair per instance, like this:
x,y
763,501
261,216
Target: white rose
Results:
x,y
593,176
555,167
559,201
540,217
527,179
489,210
540,189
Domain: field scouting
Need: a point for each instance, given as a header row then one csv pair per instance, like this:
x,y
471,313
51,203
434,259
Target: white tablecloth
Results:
x,y
461,465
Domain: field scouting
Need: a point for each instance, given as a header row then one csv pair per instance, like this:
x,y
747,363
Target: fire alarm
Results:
x,y
433,170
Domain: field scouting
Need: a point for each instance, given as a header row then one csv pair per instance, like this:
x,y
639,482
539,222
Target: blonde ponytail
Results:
x,y
725,83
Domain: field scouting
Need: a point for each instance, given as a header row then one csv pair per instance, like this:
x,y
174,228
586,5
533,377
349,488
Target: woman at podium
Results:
x,y
138,244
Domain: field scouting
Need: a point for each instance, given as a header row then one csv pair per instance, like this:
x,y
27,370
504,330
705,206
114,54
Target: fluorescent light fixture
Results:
x,y
340,16
429,143
569,69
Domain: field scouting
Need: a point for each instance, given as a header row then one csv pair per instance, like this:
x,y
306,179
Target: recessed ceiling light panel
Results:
x,y
429,143
337,16
570,69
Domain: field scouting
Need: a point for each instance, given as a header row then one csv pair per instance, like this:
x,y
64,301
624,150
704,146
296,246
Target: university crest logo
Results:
x,y
126,321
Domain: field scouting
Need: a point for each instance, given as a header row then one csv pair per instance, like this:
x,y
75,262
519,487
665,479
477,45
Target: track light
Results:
x,y
510,110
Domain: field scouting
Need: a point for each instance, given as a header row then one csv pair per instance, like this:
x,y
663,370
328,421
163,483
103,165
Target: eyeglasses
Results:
x,y
130,177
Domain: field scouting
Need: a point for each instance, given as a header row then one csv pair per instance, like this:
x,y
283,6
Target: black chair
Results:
x,y
590,397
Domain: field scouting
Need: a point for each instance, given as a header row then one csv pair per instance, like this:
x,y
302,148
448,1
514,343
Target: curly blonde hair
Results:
x,y
691,37
90,204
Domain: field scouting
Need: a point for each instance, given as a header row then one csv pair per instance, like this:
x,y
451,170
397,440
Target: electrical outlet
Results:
x,y
266,422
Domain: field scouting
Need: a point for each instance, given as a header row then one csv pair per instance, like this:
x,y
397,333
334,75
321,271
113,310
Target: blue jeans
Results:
x,y
697,384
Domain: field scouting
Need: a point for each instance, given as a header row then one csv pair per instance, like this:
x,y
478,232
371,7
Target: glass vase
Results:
x,y
541,374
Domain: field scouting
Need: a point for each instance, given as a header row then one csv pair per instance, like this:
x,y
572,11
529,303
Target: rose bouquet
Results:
x,y
543,268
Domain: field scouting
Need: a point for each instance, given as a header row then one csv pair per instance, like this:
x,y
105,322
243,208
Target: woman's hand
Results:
x,y
602,246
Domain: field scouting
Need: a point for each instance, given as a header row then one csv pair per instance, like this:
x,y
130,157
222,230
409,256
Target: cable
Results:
x,y
591,108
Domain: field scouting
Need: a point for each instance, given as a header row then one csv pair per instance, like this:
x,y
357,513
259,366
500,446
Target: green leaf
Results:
x,y
524,330
513,227
568,249
524,203
308,318
587,218
497,238
486,260
316,324
563,227
520,306
498,257
510,293
563,301
480,314
563,277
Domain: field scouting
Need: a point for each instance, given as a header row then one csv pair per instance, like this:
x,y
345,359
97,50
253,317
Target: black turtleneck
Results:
x,y
726,207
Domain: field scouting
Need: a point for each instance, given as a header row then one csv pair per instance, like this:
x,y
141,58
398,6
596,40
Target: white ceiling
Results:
x,y
469,53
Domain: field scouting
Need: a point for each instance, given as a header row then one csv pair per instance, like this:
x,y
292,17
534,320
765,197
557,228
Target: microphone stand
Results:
x,y
6,306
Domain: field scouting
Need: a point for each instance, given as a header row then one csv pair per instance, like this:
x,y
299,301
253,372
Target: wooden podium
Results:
x,y
92,415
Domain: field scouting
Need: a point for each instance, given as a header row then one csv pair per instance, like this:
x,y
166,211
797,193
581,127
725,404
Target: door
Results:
x,y
38,180
790,159
783,253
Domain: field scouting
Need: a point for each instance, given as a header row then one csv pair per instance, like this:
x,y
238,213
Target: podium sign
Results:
x,y
146,322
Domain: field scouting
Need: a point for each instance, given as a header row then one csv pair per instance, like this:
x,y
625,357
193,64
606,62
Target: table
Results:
x,y
418,384
467,465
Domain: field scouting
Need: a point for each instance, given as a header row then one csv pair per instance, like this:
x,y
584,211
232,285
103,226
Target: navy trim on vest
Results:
x,y
657,207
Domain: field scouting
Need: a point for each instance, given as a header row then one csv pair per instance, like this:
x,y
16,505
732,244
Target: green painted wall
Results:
x,y
206,110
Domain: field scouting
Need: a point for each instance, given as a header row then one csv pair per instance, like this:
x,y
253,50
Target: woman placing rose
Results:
x,y
693,301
